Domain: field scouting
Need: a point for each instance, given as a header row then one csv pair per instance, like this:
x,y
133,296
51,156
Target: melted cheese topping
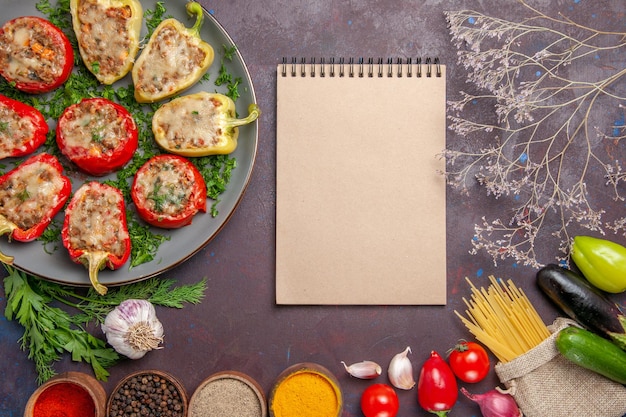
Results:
x,y
105,36
95,222
29,54
30,193
93,129
164,186
171,58
194,122
15,131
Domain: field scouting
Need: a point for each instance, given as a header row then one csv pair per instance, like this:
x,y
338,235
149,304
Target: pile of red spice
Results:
x,y
64,400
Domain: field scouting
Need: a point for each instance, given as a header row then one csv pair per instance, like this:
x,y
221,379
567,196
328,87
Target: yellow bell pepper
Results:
x,y
601,261
200,124
108,55
174,59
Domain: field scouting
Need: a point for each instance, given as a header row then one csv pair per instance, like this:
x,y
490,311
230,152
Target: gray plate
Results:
x,y
184,242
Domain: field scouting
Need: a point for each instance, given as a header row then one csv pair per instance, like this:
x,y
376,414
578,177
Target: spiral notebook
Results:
x,y
360,195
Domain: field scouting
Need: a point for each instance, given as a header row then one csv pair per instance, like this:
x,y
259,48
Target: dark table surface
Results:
x,y
238,326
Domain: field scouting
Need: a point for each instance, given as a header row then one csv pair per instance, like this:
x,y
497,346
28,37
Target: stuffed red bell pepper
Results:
x,y
95,232
30,196
22,128
98,135
168,191
36,56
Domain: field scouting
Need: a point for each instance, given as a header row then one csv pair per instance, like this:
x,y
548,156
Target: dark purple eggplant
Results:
x,y
583,302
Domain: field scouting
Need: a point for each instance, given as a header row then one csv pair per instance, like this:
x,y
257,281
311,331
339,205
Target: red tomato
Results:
x,y
437,390
379,400
469,362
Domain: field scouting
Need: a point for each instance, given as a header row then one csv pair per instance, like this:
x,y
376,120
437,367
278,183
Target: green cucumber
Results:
x,y
593,352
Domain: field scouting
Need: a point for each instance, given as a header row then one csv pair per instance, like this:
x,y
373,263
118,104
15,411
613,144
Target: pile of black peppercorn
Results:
x,y
147,395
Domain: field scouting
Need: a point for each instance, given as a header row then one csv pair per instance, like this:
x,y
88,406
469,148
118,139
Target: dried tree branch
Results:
x,y
548,134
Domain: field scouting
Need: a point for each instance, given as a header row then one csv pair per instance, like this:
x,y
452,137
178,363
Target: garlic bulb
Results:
x,y
364,369
132,328
401,371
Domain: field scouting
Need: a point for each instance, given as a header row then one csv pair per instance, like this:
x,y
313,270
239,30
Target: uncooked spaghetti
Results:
x,y
503,319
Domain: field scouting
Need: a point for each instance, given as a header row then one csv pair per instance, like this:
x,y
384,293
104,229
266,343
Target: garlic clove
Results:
x,y
363,369
401,371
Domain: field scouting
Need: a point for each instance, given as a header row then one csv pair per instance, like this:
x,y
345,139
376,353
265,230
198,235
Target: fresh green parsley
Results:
x,y
145,243
154,17
59,14
23,195
216,171
226,78
223,77
233,89
51,237
96,136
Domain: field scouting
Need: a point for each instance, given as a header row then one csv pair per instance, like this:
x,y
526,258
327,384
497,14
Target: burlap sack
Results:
x,y
546,384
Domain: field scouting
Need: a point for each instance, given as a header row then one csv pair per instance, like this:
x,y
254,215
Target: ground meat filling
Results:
x,y
104,42
171,59
93,128
29,194
15,131
29,54
95,223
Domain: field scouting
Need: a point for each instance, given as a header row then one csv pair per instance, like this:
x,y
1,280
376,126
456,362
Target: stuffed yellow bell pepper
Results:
x,y
200,124
174,59
108,35
601,261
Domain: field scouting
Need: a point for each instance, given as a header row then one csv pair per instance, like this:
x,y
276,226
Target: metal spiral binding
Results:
x,y
360,68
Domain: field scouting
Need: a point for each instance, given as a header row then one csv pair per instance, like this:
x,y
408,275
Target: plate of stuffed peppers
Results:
x,y
122,124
